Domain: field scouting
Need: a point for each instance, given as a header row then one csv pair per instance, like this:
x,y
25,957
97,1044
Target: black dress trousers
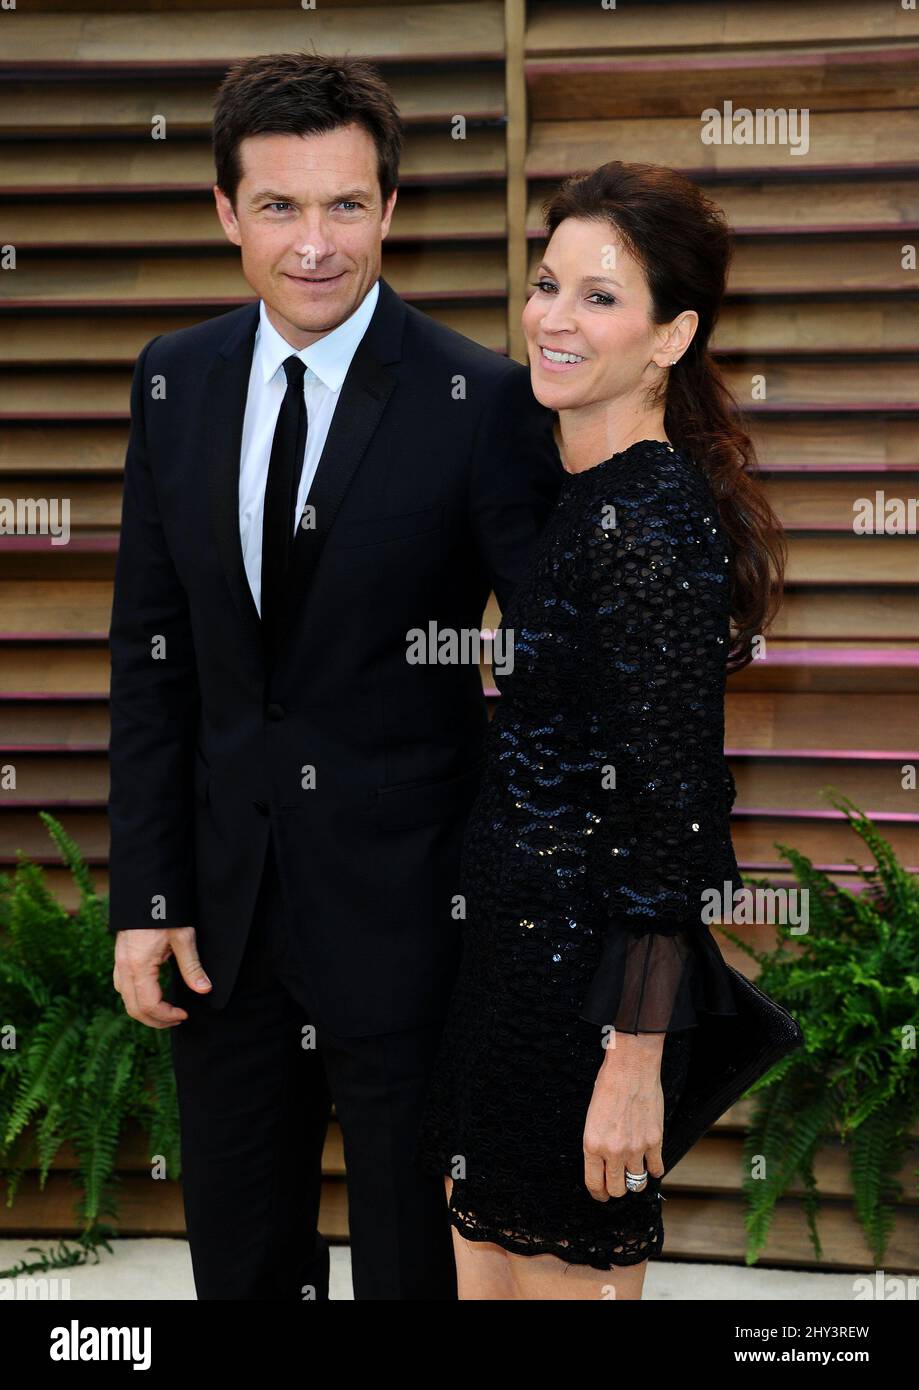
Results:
x,y
256,1081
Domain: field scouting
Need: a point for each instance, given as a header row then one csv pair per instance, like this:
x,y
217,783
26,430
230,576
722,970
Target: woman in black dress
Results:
x,y
604,809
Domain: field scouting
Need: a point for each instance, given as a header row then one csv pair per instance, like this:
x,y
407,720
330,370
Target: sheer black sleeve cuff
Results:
x,y
649,982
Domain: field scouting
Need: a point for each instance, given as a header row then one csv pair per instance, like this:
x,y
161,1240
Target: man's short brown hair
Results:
x,y
303,94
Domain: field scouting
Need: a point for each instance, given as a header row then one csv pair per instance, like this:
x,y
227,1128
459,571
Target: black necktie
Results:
x,y
284,468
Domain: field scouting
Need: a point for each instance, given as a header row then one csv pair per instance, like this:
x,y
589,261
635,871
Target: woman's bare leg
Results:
x,y
482,1269
487,1271
546,1276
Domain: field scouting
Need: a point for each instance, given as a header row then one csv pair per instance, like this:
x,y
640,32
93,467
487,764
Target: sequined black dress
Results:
x,y
602,816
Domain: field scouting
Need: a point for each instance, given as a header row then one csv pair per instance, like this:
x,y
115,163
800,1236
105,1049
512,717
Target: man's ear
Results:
x,y
227,215
388,209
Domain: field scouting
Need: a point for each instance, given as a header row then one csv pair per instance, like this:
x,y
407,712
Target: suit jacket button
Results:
x,y
276,711
261,807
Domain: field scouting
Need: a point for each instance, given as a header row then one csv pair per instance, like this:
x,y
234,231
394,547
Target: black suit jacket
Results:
x,y
426,496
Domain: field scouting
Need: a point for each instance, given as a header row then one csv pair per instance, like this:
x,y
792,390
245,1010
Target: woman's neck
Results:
x,y
584,441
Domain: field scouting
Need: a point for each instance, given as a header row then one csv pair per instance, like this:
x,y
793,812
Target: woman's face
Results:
x,y
592,300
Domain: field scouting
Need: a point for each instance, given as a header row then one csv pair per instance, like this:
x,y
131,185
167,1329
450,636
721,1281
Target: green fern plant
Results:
x,y
852,982
74,1067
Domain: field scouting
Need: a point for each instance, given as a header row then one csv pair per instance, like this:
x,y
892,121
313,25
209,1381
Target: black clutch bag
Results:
x,y
729,1052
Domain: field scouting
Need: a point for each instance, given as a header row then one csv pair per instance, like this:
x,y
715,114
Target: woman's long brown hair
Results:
x,y
683,242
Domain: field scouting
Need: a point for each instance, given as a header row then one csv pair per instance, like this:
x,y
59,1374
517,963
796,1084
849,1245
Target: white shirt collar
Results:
x,y
329,357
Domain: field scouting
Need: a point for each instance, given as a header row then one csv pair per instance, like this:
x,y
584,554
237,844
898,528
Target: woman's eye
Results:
x,y
598,297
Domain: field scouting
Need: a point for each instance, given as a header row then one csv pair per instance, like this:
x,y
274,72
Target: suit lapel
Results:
x,y
363,397
225,394
361,402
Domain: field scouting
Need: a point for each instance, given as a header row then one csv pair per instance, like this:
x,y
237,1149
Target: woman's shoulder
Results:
x,y
650,476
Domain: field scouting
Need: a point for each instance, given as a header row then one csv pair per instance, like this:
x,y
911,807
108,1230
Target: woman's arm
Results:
x,y
657,596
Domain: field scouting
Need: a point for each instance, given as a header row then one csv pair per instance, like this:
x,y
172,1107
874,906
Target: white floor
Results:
x,y
161,1269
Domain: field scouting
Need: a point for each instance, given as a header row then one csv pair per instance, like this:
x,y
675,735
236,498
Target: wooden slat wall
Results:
x,y
116,240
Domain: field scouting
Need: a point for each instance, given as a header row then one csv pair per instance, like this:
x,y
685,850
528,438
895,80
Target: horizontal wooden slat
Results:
x,y
62,668
713,1228
776,206
834,442
835,326
715,1165
831,668
146,1206
665,82
826,840
773,720
837,141
421,33
876,614
582,27
832,502
846,560
795,784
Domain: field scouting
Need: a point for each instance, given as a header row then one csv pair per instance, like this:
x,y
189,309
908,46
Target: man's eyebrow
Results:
x,y
271,195
587,279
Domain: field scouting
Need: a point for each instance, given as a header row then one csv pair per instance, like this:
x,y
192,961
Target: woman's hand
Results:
x,y
625,1121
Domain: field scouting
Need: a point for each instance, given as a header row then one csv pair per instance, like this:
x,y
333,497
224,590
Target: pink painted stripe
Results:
x,y
734,171
840,754
34,638
840,656
822,466
83,544
786,813
828,407
51,696
755,866
762,229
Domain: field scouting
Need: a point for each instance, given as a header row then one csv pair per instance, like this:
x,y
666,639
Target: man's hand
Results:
x,y
139,953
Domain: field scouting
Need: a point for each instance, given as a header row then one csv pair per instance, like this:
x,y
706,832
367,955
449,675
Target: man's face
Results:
x,y
310,222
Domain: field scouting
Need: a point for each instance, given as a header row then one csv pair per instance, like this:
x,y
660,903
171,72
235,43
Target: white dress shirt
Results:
x,y
327,362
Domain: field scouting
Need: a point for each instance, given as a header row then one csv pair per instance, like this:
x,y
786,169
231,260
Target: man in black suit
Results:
x,y
308,479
